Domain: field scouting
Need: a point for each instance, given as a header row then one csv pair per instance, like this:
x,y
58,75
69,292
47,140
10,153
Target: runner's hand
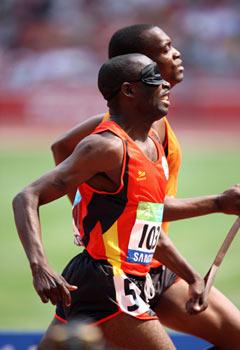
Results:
x,y
197,300
51,287
229,200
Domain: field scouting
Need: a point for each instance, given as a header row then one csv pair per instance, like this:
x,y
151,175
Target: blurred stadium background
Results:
x,y
50,52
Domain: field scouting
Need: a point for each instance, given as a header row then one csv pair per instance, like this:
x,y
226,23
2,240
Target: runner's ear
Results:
x,y
127,89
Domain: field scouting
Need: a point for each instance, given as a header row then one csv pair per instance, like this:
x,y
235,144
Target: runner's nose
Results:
x,y
166,85
176,53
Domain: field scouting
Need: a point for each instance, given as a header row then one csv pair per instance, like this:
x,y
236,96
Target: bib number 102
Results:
x,y
149,238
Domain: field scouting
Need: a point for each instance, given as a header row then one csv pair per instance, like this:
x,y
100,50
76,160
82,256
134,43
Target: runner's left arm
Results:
x,y
169,256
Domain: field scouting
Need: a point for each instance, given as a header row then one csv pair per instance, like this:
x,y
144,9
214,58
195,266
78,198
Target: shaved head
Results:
x,y
118,70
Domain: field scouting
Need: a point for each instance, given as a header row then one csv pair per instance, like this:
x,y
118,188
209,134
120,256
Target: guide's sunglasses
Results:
x,y
149,75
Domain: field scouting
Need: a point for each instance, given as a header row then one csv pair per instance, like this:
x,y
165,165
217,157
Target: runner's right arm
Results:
x,y
95,154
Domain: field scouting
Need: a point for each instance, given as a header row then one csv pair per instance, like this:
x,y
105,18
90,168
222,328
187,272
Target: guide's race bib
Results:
x,y
145,233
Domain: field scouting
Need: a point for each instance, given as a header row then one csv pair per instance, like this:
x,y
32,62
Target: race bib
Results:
x,y
128,296
145,233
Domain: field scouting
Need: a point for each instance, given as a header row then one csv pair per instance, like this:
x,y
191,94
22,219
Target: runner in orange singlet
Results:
x,y
156,44
121,172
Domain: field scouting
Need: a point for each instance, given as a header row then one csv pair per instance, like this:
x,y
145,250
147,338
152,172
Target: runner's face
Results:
x,y
153,101
158,99
161,51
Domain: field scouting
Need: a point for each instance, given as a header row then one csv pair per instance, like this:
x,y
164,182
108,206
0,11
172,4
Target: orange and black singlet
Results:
x,y
172,150
123,227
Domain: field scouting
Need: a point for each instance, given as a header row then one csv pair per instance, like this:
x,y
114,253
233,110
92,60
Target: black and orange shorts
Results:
x,y
99,297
